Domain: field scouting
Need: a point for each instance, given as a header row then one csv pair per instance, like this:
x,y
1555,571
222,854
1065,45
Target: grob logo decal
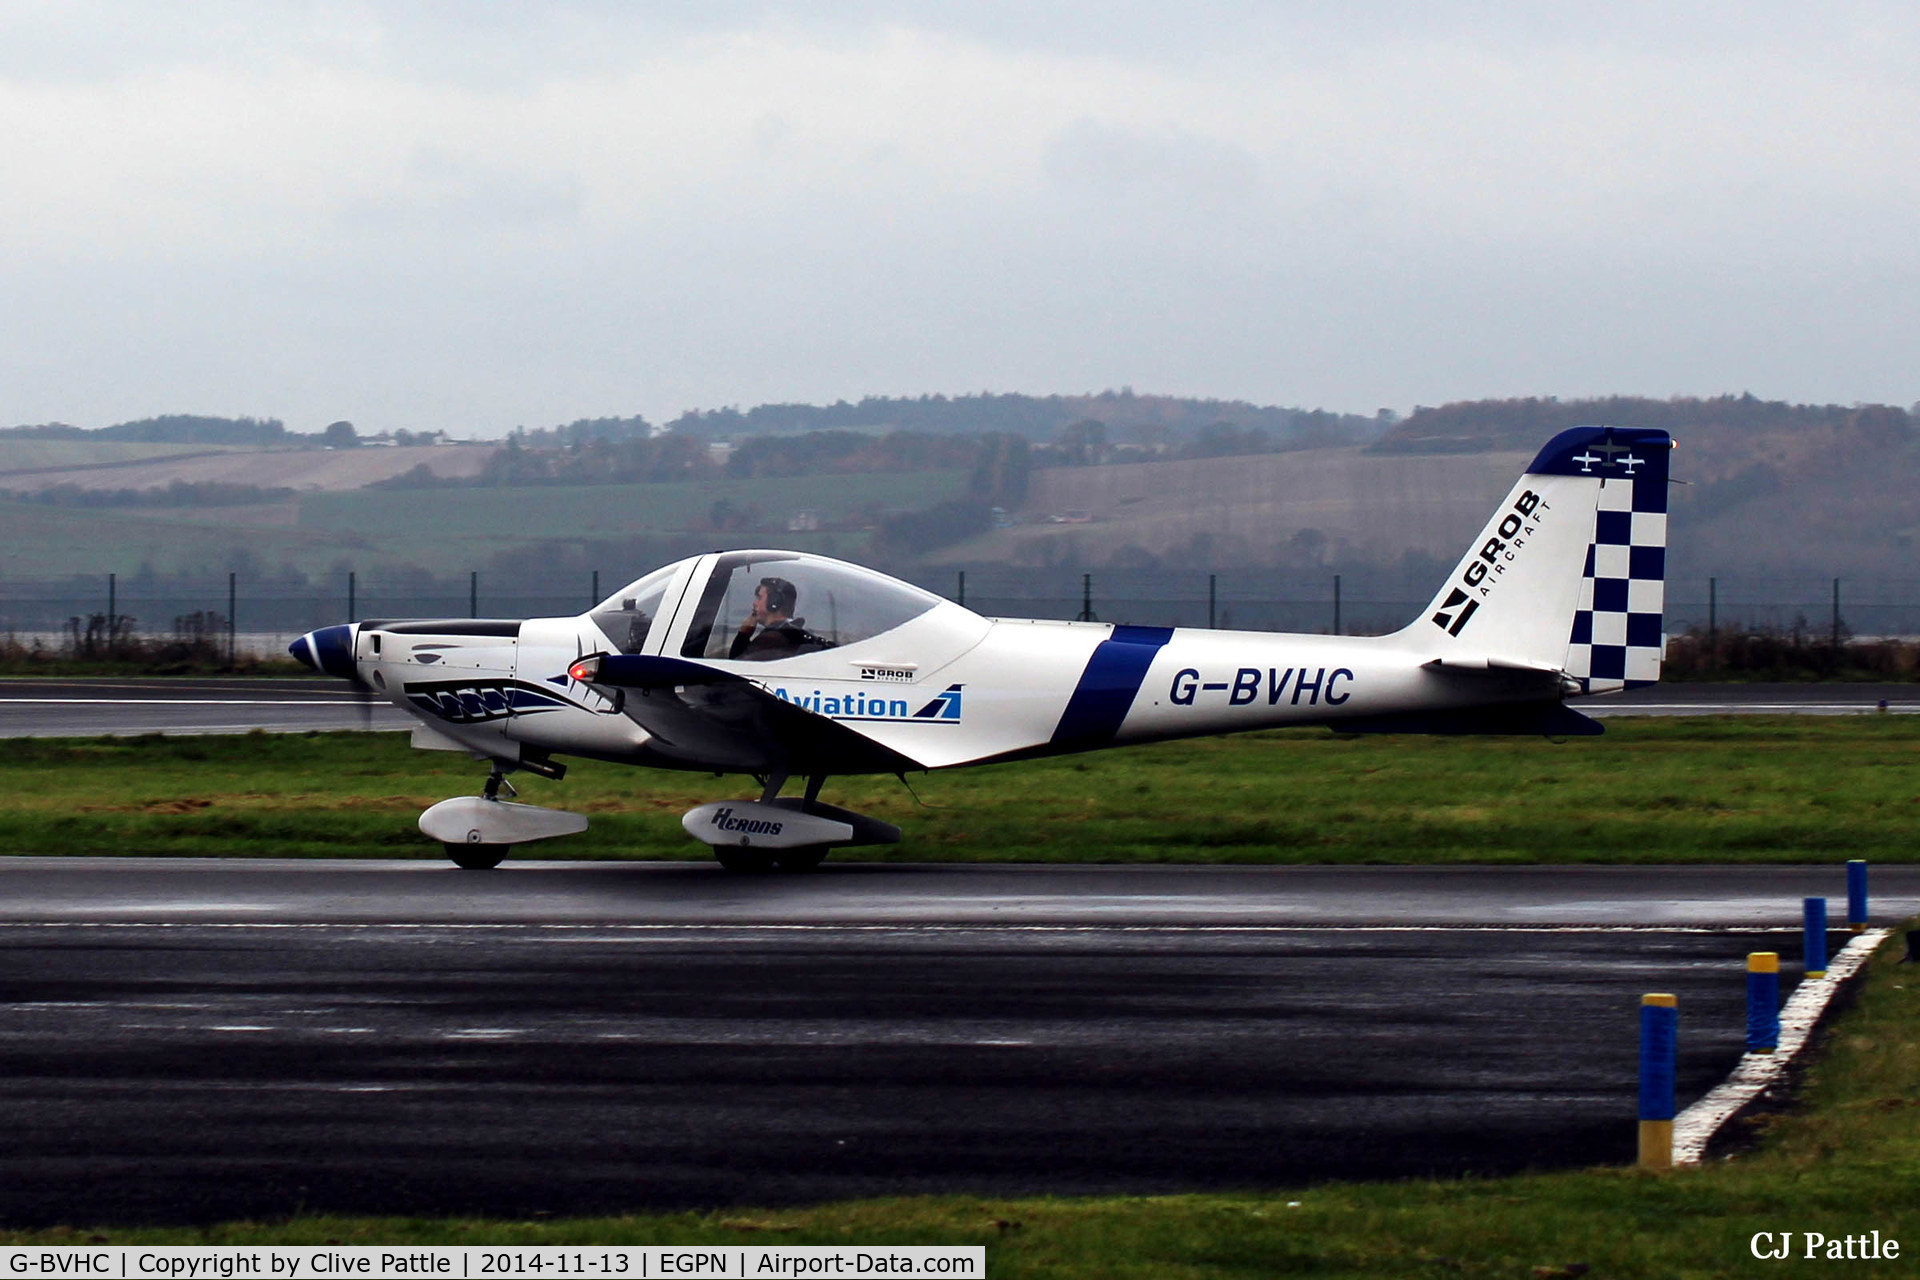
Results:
x,y
1490,562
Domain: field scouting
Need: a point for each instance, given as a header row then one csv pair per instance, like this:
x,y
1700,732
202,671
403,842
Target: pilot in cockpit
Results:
x,y
771,631
637,623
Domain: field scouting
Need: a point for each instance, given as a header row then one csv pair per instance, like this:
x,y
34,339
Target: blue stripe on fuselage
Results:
x,y
1107,687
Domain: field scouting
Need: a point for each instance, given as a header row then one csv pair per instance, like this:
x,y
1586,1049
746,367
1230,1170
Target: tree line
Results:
x,y
1526,422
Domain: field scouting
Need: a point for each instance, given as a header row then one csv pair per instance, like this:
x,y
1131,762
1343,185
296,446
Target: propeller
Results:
x,y
331,651
364,695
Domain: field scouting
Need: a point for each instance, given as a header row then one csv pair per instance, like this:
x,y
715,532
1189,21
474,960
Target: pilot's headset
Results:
x,y
781,595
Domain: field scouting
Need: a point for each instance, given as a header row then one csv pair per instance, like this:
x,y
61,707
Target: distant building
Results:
x,y
805,521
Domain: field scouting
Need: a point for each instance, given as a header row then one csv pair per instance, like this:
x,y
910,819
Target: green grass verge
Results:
x,y
1746,789
1843,1163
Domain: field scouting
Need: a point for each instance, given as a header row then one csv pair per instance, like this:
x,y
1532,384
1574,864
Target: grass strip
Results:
x,y
1842,1162
1653,790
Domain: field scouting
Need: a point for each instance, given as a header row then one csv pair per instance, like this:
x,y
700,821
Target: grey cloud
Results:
x,y
442,191
1413,241
1108,161
525,42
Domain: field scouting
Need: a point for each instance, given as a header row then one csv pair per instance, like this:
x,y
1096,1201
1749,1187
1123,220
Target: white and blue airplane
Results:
x,y
783,665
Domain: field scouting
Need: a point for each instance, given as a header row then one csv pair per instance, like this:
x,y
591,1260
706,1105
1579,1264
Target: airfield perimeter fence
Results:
x,y
263,616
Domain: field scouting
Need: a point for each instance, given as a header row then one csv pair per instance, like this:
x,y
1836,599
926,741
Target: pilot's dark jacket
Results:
x,y
778,640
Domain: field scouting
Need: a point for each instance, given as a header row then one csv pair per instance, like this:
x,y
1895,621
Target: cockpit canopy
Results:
x,y
628,615
762,606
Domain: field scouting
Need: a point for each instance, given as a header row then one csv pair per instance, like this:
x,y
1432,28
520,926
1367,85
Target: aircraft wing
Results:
x,y
707,717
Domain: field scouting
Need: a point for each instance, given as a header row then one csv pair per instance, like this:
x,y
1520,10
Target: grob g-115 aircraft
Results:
x,y
785,666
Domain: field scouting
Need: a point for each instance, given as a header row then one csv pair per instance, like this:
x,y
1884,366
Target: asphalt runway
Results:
x,y
86,708
194,1041
1835,699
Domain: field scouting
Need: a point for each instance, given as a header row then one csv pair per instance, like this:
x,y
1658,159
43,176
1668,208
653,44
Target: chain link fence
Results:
x,y
264,617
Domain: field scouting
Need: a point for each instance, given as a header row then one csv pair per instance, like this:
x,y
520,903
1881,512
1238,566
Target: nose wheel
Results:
x,y
474,855
477,857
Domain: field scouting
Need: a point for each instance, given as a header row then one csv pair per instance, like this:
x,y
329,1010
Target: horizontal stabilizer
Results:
x,y
1546,719
1499,665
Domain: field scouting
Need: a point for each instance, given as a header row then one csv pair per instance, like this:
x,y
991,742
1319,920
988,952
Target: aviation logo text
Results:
x,y
859,705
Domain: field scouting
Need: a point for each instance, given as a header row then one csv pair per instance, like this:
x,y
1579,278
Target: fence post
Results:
x,y
1713,619
473,594
1836,613
113,602
962,601
596,590
1336,604
1659,1054
230,610
1086,598
351,585
1211,597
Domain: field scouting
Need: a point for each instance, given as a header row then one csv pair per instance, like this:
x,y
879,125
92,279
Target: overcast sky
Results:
x,y
471,216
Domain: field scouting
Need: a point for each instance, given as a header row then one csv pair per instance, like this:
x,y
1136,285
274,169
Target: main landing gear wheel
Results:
x,y
801,859
477,857
745,861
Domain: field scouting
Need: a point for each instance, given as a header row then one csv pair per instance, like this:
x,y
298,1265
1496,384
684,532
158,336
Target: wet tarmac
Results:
x,y
197,1041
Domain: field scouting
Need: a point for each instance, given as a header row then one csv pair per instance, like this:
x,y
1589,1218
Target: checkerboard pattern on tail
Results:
x,y
1618,631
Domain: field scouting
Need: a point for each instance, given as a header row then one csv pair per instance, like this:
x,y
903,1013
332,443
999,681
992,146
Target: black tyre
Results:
x,y
477,857
745,861
801,859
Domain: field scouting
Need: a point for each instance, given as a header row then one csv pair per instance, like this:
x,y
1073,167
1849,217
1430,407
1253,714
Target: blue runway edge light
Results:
x,y
1813,933
1857,895
1763,1002
1659,1050
1659,1056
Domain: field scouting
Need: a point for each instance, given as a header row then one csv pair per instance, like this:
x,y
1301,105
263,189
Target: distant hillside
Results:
x,y
1301,509
301,469
1764,487
176,428
1737,426
1128,418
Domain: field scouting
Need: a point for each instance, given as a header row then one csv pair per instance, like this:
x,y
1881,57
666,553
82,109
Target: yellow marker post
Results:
x,y
1659,1055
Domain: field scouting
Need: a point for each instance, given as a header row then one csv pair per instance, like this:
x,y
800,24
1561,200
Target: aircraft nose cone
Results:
x,y
328,650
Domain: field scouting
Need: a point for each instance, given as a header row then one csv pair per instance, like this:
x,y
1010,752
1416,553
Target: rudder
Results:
x,y
1569,573
1618,636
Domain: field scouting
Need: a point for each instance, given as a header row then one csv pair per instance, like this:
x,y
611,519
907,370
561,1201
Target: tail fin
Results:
x,y
1569,574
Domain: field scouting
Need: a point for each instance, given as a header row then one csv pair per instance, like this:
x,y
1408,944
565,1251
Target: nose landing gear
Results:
x,y
479,831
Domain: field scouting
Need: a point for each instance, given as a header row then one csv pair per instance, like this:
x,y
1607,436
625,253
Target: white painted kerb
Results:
x,y
1695,1126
